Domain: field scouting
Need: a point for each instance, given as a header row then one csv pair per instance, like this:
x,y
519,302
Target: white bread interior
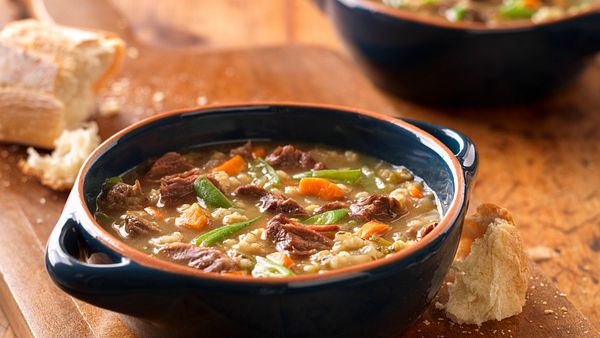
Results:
x,y
59,169
42,60
491,280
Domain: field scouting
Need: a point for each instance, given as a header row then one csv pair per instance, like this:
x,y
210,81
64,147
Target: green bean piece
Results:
x,y
381,241
210,194
328,217
103,218
218,234
267,268
347,176
371,182
113,180
456,13
516,10
270,173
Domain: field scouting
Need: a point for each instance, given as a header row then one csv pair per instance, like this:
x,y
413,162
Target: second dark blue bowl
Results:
x,y
164,299
438,62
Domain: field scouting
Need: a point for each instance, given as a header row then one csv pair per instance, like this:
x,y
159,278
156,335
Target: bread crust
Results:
x,y
38,60
25,113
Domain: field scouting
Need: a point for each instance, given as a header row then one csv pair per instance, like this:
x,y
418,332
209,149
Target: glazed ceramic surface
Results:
x,y
433,61
373,299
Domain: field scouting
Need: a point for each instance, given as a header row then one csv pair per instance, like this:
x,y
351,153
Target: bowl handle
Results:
x,y
77,277
461,146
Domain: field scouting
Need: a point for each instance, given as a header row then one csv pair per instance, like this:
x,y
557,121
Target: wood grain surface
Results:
x,y
540,161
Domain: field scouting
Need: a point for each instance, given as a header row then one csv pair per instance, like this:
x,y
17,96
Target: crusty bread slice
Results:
x,y
491,281
44,59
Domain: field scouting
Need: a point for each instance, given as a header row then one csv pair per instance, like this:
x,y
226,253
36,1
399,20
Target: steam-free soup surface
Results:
x,y
493,11
268,210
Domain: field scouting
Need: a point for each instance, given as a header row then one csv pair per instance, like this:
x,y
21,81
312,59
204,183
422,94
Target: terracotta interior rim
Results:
x,y
380,8
448,220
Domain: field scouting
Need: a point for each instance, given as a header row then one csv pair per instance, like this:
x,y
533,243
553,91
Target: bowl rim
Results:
x,y
377,7
141,258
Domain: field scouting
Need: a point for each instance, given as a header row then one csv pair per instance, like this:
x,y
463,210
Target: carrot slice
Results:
x,y
416,192
532,4
232,166
193,218
369,229
155,213
287,261
321,187
258,152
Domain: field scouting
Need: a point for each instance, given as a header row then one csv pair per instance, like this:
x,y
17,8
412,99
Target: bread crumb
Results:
x,y
133,52
563,309
426,322
201,100
42,201
491,281
541,253
548,312
109,107
439,306
158,97
59,169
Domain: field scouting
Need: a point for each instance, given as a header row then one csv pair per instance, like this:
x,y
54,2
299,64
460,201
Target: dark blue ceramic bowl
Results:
x,y
161,298
434,61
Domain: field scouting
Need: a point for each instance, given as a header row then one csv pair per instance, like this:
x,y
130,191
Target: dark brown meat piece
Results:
x,y
376,207
206,259
169,164
138,226
425,230
271,202
122,196
330,206
244,150
178,188
288,157
295,238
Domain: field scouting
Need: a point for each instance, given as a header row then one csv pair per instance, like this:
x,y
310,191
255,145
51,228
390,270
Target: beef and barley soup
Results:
x,y
268,210
494,11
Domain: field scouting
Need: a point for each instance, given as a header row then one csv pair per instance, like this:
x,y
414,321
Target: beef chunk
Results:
x,y
169,164
121,196
376,207
179,187
271,202
425,230
330,206
206,259
244,150
295,238
288,157
136,225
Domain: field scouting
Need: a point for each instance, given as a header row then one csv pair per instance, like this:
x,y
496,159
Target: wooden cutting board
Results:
x,y
160,78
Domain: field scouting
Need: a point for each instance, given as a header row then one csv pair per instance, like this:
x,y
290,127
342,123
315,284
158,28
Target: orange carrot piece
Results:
x,y
258,152
416,192
532,4
193,218
321,187
232,166
369,229
155,213
287,261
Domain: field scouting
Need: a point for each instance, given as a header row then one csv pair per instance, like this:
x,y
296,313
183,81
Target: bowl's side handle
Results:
x,y
78,277
461,146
